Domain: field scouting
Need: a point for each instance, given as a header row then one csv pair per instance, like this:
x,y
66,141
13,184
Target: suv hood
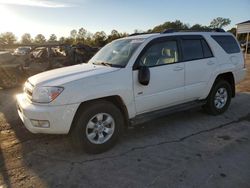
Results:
x,y
64,75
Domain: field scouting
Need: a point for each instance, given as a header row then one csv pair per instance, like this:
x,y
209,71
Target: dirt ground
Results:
x,y
186,149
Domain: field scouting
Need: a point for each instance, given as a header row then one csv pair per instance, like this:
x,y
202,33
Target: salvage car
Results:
x,y
131,80
24,50
15,69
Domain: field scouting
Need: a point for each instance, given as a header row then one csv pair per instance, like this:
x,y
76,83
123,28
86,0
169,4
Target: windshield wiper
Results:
x,y
102,63
106,64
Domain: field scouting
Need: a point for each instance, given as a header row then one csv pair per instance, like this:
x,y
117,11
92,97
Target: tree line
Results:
x,y
100,38
82,36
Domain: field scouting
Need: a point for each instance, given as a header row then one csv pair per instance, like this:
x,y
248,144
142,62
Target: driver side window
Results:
x,y
160,54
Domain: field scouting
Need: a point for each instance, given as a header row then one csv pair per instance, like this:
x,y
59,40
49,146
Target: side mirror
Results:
x,y
144,75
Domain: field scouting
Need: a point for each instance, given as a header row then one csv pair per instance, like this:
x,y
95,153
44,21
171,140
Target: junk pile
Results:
x,y
15,68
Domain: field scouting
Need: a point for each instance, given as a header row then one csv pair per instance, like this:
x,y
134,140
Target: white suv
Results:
x,y
130,80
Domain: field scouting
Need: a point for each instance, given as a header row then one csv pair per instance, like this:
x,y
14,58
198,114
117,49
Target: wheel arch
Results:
x,y
114,99
229,77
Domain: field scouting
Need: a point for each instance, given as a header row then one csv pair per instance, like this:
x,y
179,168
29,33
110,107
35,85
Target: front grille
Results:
x,y
28,89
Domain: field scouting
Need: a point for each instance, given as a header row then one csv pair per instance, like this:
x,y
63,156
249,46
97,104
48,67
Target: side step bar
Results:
x,y
142,118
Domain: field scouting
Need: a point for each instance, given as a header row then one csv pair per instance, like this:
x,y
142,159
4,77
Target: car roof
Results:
x,y
156,35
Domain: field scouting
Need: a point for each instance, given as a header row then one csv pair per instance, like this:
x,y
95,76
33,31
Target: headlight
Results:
x,y
46,94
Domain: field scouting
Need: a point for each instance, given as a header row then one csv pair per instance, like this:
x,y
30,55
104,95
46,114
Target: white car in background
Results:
x,y
22,51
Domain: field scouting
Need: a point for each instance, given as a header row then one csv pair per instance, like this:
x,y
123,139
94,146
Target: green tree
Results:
x,y
114,35
7,38
199,27
26,38
69,41
169,25
219,22
81,35
62,40
52,38
232,30
89,39
100,38
40,39
123,34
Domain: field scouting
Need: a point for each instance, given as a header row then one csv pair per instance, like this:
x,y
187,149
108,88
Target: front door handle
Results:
x,y
178,68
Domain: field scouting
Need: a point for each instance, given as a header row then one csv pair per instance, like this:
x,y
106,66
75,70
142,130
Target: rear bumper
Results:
x,y
60,117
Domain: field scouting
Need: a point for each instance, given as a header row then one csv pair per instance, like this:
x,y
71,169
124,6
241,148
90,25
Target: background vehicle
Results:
x,y
24,62
132,80
22,50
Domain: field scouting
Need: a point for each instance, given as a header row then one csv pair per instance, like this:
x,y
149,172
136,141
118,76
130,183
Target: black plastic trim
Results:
x,y
208,48
144,117
171,30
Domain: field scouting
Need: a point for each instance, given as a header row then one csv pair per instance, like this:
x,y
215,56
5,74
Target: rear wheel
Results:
x,y
97,127
219,98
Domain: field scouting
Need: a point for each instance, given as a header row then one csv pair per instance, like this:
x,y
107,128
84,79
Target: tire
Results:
x,y
97,127
223,92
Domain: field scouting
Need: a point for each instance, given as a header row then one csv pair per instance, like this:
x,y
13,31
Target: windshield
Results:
x,y
116,53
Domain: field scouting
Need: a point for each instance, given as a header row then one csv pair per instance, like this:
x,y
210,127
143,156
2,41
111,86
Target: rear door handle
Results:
x,y
178,68
210,63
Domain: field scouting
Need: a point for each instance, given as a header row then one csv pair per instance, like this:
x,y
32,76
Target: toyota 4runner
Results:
x,y
130,80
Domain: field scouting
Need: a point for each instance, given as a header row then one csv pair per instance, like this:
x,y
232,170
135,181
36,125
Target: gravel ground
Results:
x,y
186,149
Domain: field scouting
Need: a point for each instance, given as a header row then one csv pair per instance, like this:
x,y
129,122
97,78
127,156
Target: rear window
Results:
x,y
228,43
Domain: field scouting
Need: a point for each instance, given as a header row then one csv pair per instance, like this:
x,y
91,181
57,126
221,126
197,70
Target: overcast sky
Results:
x,y
61,16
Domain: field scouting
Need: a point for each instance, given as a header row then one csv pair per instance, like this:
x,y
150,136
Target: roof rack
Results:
x,y
189,30
134,34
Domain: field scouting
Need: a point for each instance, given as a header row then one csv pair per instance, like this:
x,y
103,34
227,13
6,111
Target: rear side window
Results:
x,y
192,49
206,49
228,43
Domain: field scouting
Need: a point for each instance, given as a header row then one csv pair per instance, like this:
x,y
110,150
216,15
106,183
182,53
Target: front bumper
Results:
x,y
59,117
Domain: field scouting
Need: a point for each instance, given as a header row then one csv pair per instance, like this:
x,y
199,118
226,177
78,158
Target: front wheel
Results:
x,y
219,98
97,127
